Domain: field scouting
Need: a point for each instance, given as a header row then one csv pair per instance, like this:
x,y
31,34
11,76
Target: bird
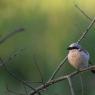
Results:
x,y
78,57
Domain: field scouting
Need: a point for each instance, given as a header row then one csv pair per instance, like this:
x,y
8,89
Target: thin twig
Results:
x,y
81,81
18,79
83,12
89,18
35,82
38,68
15,77
9,58
71,86
79,40
58,68
3,39
26,92
38,89
87,30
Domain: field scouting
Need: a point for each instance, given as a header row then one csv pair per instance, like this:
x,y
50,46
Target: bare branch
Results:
x,y
26,92
11,56
38,68
82,87
51,82
83,12
3,39
89,18
35,82
71,86
58,68
15,77
79,40
18,79
87,30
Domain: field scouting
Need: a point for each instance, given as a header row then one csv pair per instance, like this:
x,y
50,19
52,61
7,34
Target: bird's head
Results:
x,y
74,46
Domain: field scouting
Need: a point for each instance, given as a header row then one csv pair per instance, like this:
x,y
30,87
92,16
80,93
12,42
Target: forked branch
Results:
x,y
78,41
49,83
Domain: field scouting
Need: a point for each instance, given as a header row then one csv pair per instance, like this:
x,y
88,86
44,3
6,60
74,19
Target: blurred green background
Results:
x,y
50,26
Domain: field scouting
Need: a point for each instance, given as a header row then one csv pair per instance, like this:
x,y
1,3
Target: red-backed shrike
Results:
x,y
78,57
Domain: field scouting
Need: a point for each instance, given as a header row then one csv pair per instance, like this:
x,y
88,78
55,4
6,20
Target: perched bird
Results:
x,y
78,57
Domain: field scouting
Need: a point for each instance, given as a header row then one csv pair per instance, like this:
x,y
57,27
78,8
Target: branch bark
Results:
x,y
78,41
51,82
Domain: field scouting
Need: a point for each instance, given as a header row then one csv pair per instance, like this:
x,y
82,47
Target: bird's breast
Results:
x,y
78,59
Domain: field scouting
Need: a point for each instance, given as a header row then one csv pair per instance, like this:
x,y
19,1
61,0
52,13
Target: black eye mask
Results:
x,y
71,48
